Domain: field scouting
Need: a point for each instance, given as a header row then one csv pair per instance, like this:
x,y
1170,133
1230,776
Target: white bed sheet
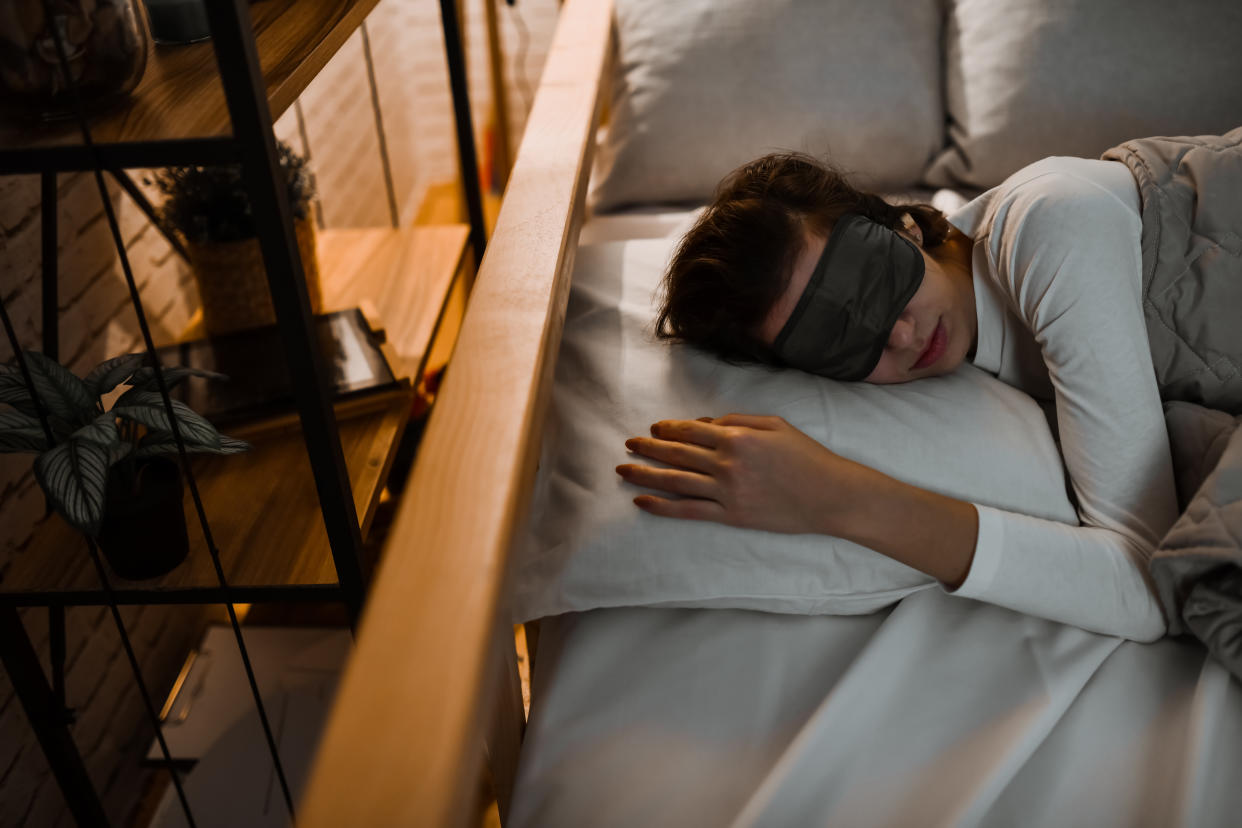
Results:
x,y
941,711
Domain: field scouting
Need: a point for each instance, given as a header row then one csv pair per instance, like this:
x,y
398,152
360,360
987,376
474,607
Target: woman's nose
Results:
x,y
902,335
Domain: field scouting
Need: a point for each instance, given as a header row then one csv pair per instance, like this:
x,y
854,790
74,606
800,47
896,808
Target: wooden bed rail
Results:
x,y
404,744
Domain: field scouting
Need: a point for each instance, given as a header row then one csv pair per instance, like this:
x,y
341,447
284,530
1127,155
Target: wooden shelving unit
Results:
x,y
262,505
178,113
289,516
262,510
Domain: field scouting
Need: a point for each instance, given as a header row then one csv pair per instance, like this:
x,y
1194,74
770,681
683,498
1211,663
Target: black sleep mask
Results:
x,y
860,287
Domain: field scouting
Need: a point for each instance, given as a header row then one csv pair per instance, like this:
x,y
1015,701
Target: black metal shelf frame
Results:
x,y
119,156
253,145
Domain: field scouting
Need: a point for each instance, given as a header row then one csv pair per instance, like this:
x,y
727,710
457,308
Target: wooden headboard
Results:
x,y
433,674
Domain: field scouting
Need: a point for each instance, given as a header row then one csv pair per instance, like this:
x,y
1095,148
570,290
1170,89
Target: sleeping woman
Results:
x,y
1037,281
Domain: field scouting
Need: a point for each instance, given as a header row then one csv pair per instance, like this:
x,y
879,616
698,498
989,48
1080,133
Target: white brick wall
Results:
x,y
96,322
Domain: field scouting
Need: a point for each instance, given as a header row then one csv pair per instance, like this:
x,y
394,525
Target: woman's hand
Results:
x,y
748,471
762,473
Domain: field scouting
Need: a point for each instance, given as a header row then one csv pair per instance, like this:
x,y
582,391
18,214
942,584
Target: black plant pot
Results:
x,y
143,533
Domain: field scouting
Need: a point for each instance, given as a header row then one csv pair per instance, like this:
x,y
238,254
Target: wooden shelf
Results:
x,y
404,276
262,506
400,278
264,517
178,113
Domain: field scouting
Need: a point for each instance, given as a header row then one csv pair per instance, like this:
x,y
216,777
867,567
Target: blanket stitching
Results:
x,y
1153,313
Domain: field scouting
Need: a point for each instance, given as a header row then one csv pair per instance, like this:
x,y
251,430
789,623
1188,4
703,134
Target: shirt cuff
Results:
x,y
989,546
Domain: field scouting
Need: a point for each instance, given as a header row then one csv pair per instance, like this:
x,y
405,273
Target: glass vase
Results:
x,y
106,43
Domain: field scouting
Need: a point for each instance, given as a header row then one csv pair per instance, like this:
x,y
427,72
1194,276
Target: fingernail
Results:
x,y
621,470
629,444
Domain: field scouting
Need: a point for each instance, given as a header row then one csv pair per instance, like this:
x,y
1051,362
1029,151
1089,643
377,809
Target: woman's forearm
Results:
x,y
930,532
762,473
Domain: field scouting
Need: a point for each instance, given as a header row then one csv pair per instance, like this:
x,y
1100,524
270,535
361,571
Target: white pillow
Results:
x,y
1025,79
703,86
588,546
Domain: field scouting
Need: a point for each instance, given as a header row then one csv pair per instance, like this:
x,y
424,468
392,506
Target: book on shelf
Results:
x,y
259,385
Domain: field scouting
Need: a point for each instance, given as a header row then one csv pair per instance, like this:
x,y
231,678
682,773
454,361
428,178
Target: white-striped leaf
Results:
x,y
111,373
13,391
61,392
231,445
74,475
144,378
162,443
103,432
147,408
21,432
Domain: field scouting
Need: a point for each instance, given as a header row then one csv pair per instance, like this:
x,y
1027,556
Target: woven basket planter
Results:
x,y
232,282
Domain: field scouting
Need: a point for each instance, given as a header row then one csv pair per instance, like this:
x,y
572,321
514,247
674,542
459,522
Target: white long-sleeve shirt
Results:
x,y
1057,277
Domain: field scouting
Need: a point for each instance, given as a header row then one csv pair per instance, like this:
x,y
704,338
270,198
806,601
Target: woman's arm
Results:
x,y
1062,250
762,473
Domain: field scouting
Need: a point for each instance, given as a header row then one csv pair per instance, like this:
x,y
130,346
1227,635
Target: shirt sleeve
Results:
x,y
1066,254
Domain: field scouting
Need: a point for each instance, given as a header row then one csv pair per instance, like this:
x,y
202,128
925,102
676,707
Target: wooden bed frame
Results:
x,y
432,687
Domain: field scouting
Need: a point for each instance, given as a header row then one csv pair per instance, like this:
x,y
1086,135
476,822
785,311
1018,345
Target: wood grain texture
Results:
x,y
261,506
427,644
180,95
404,274
401,277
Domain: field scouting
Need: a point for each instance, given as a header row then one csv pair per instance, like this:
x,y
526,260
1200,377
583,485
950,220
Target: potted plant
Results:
x,y
209,208
108,472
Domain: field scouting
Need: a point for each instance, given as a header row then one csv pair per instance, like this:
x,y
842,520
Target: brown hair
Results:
x,y
734,263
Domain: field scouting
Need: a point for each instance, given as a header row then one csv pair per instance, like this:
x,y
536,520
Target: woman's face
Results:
x,y
933,335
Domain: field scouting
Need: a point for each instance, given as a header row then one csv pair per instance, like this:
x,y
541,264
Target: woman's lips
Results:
x,y
935,348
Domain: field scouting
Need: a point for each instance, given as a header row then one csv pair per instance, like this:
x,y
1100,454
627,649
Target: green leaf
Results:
x,y
74,475
144,378
13,391
231,445
63,394
147,408
111,373
161,443
104,433
21,432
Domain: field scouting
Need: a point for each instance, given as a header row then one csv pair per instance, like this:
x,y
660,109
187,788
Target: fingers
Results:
x,y
685,455
691,509
700,431
686,443
674,481
764,423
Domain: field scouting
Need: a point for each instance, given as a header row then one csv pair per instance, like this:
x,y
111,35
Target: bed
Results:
x,y
930,710
680,708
